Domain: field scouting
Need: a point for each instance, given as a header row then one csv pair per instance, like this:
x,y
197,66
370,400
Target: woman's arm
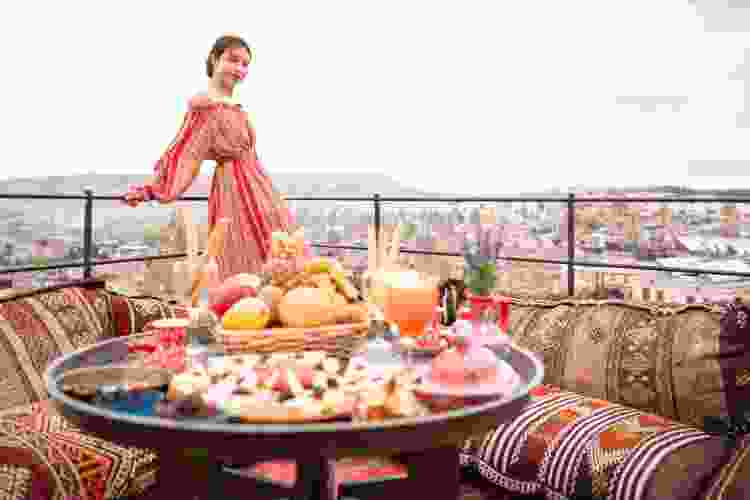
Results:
x,y
178,167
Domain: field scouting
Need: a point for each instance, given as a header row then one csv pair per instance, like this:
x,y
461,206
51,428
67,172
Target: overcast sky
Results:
x,y
441,95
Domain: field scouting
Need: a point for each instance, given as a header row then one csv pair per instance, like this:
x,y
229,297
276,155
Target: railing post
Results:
x,y
88,236
377,222
571,244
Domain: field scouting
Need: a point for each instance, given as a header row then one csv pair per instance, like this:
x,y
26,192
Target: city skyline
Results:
x,y
705,236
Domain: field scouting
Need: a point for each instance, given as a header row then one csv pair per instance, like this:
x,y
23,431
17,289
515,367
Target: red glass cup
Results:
x,y
169,335
170,332
503,306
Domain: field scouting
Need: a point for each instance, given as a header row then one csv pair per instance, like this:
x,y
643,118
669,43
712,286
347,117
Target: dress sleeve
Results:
x,y
175,171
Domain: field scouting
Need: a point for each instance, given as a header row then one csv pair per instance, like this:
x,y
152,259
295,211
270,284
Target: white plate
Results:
x,y
499,387
495,340
420,350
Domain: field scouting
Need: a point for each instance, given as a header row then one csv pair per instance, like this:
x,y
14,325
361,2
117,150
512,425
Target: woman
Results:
x,y
217,128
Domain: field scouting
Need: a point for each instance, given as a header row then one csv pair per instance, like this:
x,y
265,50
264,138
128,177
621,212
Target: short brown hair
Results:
x,y
220,45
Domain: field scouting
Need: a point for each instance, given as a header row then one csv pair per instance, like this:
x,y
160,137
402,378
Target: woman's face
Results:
x,y
231,67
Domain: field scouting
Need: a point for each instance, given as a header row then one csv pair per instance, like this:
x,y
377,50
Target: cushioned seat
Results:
x,y
567,446
32,467
106,470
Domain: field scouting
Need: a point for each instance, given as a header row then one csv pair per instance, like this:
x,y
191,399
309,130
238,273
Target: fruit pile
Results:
x,y
294,290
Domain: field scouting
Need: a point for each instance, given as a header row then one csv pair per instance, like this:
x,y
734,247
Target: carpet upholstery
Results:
x,y
628,388
667,360
131,314
37,329
106,470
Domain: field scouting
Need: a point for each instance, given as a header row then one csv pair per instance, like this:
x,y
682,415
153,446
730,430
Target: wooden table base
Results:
x,y
188,476
434,473
315,480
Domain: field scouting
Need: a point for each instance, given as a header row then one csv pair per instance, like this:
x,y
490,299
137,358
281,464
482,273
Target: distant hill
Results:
x,y
312,184
112,219
294,184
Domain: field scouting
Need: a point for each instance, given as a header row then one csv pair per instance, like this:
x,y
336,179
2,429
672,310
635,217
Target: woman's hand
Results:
x,y
133,199
137,195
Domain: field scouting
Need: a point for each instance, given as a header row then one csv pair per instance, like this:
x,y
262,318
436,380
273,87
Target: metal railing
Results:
x,y
570,201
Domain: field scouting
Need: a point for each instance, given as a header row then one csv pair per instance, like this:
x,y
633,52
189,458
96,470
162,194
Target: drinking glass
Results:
x,y
410,303
170,331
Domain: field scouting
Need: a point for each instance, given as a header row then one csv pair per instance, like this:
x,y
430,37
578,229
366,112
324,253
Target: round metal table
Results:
x,y
192,452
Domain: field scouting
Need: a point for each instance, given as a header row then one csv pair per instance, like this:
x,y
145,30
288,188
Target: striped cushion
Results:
x,y
569,446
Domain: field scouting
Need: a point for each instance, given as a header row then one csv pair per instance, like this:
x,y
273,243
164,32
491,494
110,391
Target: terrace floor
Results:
x,y
473,487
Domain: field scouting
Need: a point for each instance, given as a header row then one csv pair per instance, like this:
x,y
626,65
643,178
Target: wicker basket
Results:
x,y
339,340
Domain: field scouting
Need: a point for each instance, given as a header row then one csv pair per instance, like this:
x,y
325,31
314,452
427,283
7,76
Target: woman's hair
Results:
x,y
220,45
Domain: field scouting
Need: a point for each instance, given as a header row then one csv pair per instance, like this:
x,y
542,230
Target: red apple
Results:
x,y
220,309
233,290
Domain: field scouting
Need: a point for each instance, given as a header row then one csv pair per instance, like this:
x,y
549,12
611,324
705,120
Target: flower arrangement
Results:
x,y
481,249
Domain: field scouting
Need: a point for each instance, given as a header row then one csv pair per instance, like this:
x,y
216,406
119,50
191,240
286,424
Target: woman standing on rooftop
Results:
x,y
216,127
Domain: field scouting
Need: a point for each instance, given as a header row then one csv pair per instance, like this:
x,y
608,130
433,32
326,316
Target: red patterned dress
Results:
x,y
241,190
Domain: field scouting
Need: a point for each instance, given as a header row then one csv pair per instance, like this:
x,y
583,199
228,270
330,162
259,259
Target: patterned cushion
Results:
x,y
668,360
132,314
33,467
35,330
521,312
106,470
545,331
564,444
699,356
733,482
101,301
616,352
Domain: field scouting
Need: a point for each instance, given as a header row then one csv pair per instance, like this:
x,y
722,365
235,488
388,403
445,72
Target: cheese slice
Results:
x,y
331,365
